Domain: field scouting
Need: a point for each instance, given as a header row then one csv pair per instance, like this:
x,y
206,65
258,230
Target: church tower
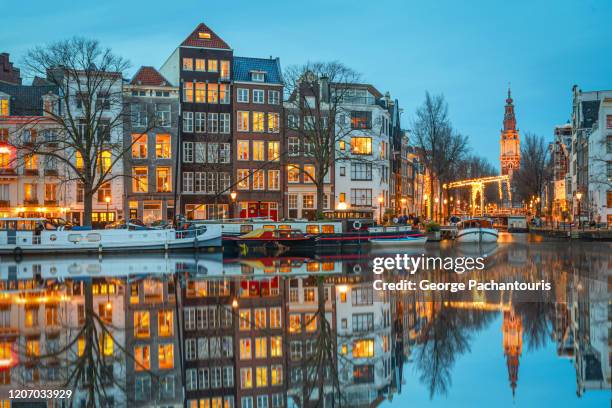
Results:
x,y
510,144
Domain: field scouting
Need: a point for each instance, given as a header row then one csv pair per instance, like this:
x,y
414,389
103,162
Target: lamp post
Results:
x,y
233,196
107,199
380,205
436,214
579,197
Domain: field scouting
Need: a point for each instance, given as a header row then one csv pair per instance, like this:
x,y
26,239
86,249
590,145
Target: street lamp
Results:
x,y
437,215
107,199
578,197
233,196
380,204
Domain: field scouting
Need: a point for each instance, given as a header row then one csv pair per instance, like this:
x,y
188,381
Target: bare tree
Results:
x,y
317,94
440,145
534,172
86,116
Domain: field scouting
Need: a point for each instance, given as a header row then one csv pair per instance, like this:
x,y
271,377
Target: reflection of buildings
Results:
x,y
364,342
154,374
512,329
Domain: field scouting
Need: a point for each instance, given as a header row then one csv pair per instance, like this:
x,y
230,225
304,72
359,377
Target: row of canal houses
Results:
x,y
224,145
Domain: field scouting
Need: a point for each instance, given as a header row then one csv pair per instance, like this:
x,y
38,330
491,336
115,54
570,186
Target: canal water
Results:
x,y
201,331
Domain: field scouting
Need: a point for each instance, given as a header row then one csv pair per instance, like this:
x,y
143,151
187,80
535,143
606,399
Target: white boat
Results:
x,y
415,240
476,230
38,236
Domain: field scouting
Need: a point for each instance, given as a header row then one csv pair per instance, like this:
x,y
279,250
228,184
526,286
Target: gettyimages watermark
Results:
x,y
411,265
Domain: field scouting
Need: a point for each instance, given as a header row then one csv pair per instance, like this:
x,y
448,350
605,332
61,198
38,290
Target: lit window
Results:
x,y
293,173
261,347
203,35
187,64
246,378
200,92
139,146
261,376
258,179
243,121
273,122
142,324
363,348
309,175
245,319
162,146
200,64
361,145
243,150
276,346
273,179
258,121
243,179
140,183
165,323
106,344
245,349
142,358
275,318
213,92
104,161
276,375
164,183
273,151
225,69
258,150
188,92
4,106
166,356
295,323
310,320
213,65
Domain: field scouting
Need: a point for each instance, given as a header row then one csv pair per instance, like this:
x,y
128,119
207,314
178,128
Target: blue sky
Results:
x,y
468,50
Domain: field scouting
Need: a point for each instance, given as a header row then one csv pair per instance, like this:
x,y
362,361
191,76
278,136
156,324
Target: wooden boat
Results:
x,y
408,240
267,241
35,236
476,230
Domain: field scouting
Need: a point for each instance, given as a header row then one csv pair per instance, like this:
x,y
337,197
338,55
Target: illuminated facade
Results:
x,y
510,144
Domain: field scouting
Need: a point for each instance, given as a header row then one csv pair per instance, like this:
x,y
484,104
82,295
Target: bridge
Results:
x,y
477,189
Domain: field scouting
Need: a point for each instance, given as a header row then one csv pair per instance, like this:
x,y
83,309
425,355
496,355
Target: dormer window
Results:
x,y
258,77
204,35
4,106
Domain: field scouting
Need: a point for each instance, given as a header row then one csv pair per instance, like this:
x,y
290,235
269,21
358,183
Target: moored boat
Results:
x,y
34,236
266,241
408,240
476,230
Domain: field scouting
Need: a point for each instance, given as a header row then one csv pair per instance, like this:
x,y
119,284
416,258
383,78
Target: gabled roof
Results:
x,y
244,66
26,100
149,76
204,37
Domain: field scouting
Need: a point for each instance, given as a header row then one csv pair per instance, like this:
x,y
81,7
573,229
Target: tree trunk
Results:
x,y
431,198
320,199
87,206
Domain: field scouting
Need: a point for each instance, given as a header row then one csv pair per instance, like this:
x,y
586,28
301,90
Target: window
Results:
x,y
273,97
243,149
213,92
363,322
342,145
188,122
361,197
245,349
361,145
293,121
200,64
225,69
224,123
187,64
258,121
293,173
273,122
257,76
228,376
342,198
163,149
142,324
4,106
164,182
258,150
199,182
213,123
273,151
273,179
309,173
243,121
142,388
245,319
104,191
310,321
361,171
213,152
139,115
258,96
224,153
361,120
200,92
139,146
246,378
295,323
224,94
292,201
200,152
293,146
187,91
362,296
243,95
165,323
258,180
142,358
243,179
187,152
50,192
342,171
276,346
609,121
166,356
246,402
309,123
188,182
162,114
213,65
140,179
363,348
308,201
261,377
261,347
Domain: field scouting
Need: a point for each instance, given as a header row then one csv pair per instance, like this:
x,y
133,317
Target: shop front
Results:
x,y
259,209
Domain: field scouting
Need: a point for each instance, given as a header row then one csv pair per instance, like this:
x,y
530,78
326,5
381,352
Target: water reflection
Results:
x,y
207,332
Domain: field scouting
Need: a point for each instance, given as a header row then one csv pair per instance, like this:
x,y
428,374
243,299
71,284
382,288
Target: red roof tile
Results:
x,y
149,76
204,37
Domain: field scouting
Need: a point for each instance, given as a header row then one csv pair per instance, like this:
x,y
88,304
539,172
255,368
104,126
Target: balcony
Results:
x,y
33,201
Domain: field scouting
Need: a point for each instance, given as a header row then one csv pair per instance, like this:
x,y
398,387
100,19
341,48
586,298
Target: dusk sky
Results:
x,y
467,50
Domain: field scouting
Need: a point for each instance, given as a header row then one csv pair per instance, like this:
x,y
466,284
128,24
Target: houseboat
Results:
x,y
267,241
37,236
476,230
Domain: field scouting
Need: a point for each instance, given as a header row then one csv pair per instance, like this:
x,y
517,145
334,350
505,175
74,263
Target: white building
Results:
x,y
591,155
363,152
364,340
